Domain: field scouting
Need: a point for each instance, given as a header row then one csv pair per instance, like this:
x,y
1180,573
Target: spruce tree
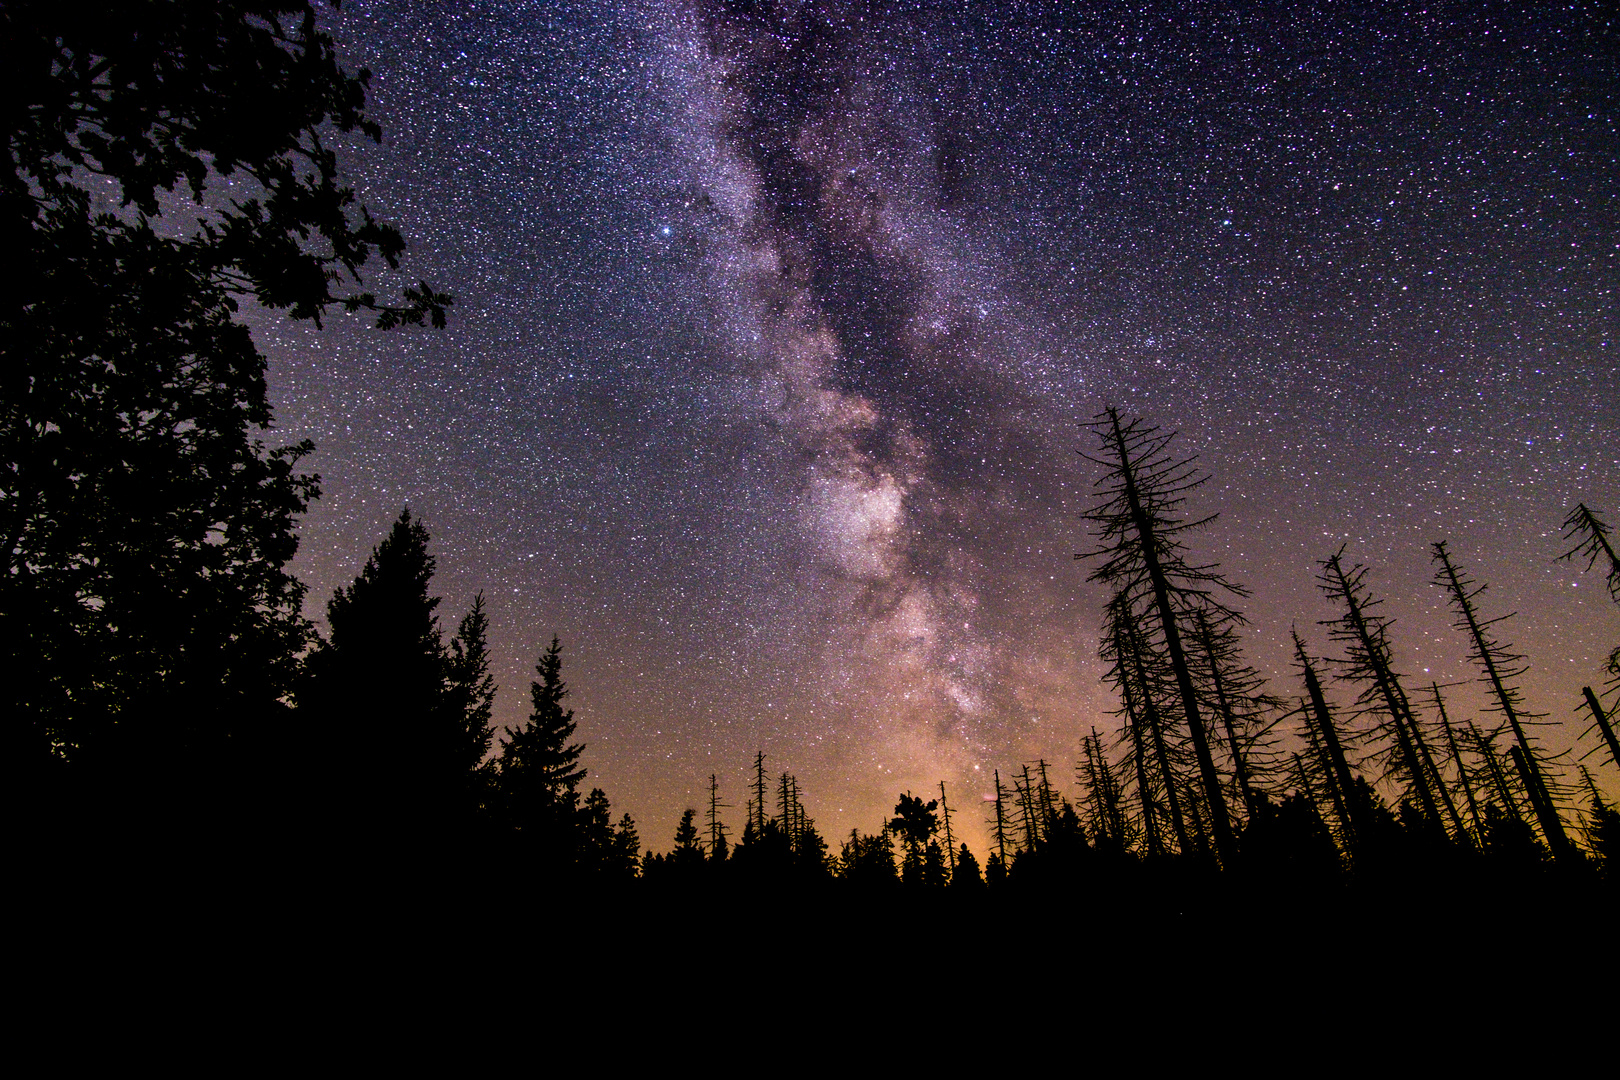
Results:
x,y
688,852
966,877
470,704
539,770
377,688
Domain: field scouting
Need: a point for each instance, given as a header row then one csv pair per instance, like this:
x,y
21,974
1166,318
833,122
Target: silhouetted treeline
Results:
x,y
162,686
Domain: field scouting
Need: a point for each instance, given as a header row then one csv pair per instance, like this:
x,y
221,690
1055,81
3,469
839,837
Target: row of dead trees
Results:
x,y
1211,764
1202,752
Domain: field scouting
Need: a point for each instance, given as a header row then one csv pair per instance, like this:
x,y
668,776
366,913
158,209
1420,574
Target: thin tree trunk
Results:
x,y
1603,724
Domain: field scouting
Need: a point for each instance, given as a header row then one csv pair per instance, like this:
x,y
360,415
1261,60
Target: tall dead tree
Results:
x,y
1485,745
1237,694
759,794
1365,637
1600,721
1589,536
1026,804
1326,730
1000,822
1136,688
1108,821
950,841
1501,666
1434,772
1462,771
717,828
1139,529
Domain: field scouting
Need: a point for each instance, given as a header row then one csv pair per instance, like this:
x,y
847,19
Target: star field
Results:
x,y
775,331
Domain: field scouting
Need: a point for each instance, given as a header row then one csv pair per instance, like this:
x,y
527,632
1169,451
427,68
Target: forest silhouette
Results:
x,y
165,692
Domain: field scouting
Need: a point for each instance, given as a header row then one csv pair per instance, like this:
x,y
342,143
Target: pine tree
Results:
x,y
539,770
915,823
966,877
688,852
1602,830
470,705
378,687
867,861
624,849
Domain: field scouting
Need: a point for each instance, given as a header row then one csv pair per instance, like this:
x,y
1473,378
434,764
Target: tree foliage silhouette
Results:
x,y
539,770
146,615
410,717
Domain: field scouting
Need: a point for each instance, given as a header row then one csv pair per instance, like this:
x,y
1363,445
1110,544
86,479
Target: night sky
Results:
x,y
777,329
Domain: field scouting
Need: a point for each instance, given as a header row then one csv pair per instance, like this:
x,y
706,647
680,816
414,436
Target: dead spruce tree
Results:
x,y
1365,636
1325,737
1499,666
1139,530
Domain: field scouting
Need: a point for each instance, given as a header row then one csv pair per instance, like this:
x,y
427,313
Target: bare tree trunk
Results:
x,y
1603,724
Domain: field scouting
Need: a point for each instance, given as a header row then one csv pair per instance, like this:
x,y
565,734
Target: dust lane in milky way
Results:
x,y
776,331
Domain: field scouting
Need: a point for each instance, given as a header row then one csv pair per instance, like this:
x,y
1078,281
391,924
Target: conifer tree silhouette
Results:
x,y
383,673
470,704
1505,799
915,823
945,816
1139,534
966,877
1601,721
999,824
1589,535
539,770
1136,688
1030,817
1364,635
1500,665
688,851
1602,829
1238,698
1462,770
1462,834
758,817
1325,730
717,828
1108,821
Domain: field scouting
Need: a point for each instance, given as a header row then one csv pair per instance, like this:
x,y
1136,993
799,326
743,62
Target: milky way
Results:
x,y
778,327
